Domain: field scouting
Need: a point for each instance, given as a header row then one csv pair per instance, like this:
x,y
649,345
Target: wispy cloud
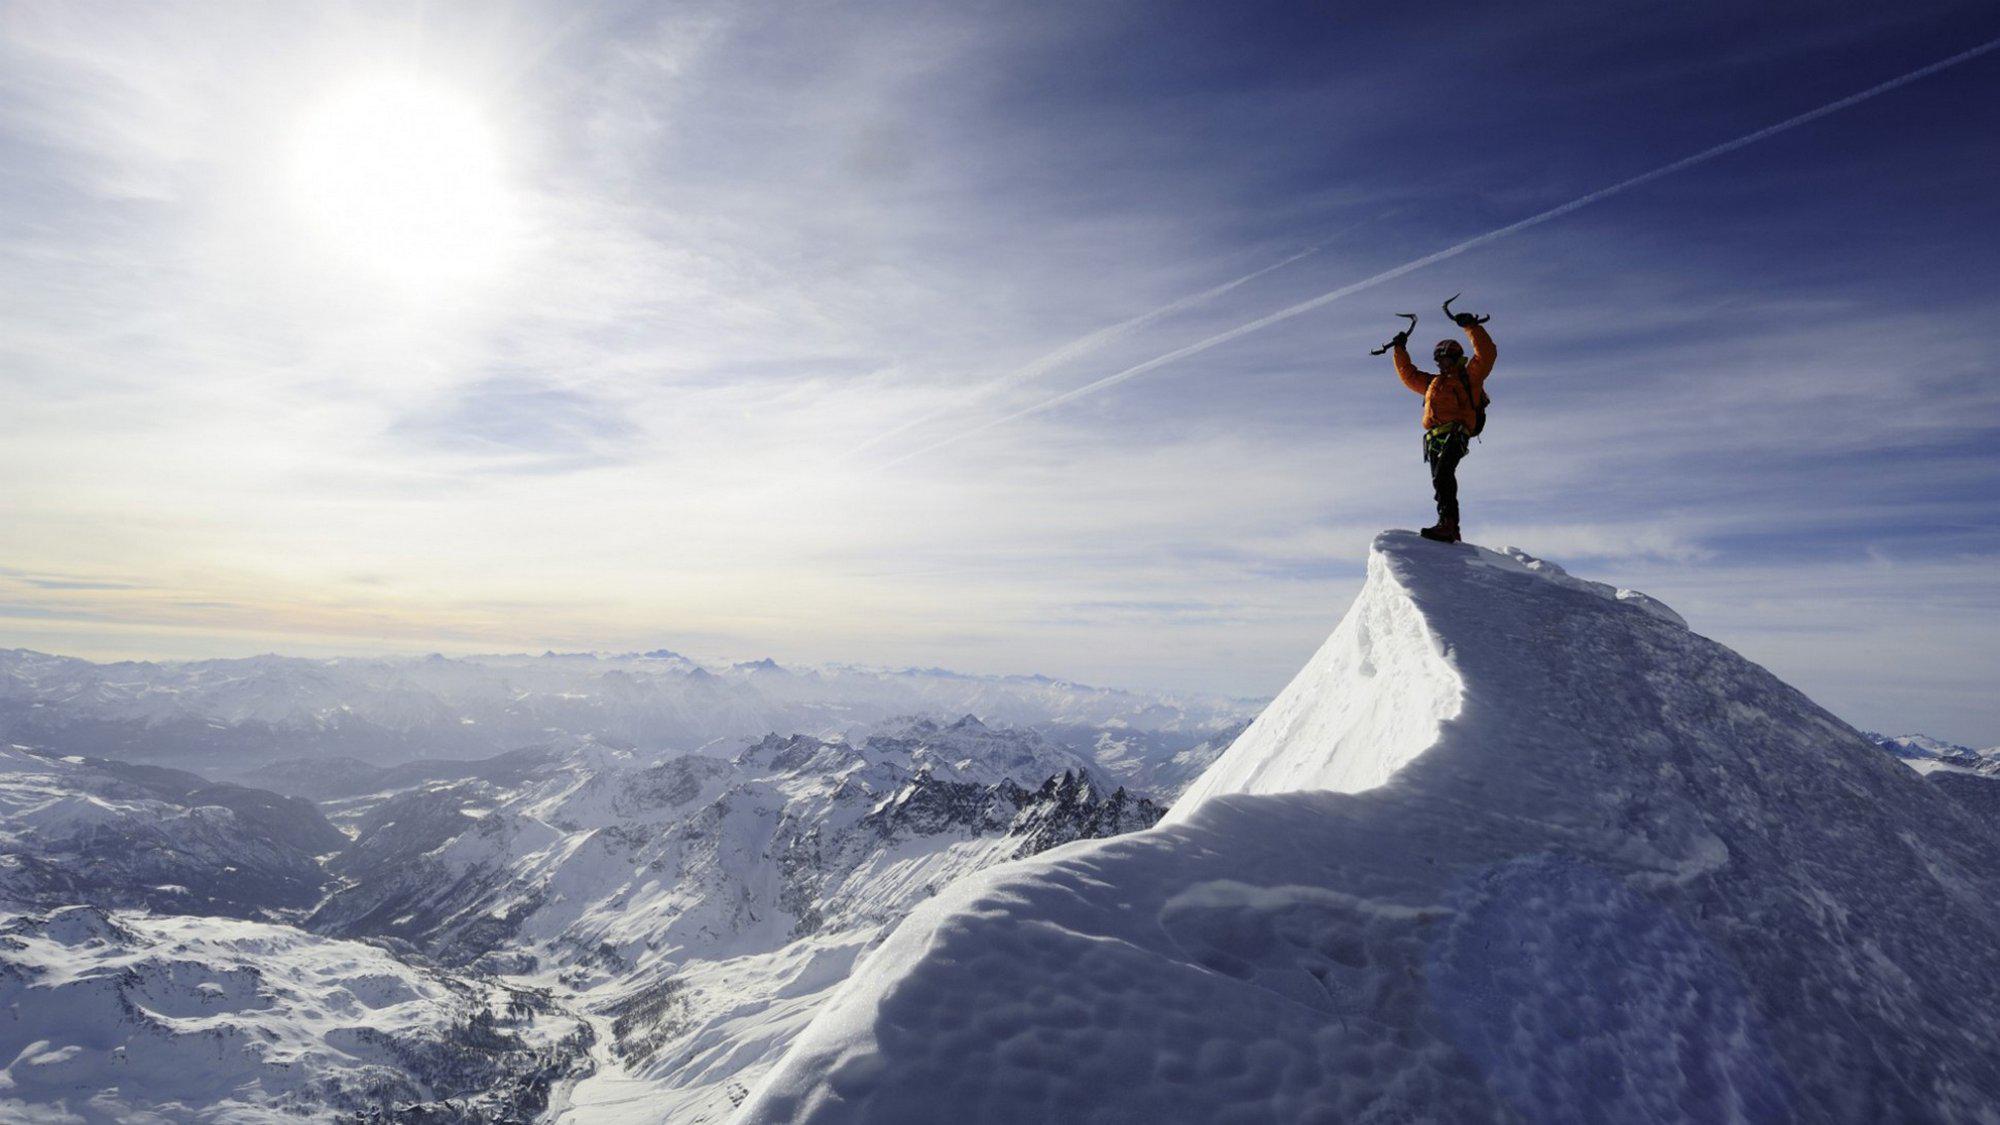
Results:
x,y
1464,246
765,254
1080,347
521,423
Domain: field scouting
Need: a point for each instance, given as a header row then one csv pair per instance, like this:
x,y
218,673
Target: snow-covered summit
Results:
x,y
1513,846
1375,693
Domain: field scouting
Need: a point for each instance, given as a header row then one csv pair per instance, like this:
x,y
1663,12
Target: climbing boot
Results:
x,y
1441,532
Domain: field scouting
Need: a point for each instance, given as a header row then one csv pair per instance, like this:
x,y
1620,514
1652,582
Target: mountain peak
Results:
x,y
1377,692
1505,830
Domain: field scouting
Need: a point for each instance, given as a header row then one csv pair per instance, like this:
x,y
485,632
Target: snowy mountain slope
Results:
x,y
120,1017
700,906
691,1036
229,716
82,830
608,859
704,906
1970,777
1511,847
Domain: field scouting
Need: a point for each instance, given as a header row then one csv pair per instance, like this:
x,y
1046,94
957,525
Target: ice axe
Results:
x,y
1402,337
1453,317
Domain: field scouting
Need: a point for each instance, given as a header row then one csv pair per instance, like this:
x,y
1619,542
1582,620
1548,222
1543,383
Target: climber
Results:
x,y
1454,407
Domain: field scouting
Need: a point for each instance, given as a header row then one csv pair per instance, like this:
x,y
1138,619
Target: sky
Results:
x,y
751,329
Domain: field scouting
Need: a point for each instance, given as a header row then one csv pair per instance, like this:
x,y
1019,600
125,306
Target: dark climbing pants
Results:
x,y
1443,451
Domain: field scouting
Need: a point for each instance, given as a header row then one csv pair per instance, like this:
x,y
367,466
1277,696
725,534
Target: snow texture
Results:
x,y
1513,847
122,1017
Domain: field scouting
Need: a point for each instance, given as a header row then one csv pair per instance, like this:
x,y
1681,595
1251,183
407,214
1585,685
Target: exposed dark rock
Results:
x,y
1072,807
647,1019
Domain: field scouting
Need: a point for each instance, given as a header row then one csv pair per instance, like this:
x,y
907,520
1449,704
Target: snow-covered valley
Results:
x,y
575,929
119,1016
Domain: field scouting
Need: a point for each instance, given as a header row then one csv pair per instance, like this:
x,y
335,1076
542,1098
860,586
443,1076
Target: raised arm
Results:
x,y
1418,381
1483,352
1409,373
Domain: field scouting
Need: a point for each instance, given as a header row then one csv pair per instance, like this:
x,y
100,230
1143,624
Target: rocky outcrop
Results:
x,y
1073,807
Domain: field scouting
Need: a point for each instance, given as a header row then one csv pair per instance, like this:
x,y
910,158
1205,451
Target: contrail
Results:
x,y
1083,345
1454,251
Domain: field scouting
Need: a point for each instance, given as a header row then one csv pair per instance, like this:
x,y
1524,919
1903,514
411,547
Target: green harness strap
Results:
x,y
1438,438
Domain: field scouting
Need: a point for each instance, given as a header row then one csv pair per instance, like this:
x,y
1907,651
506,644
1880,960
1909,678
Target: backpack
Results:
x,y
1479,404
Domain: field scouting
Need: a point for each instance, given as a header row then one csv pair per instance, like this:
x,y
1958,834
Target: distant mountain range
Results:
x,y
1970,776
1926,754
229,716
575,887
679,913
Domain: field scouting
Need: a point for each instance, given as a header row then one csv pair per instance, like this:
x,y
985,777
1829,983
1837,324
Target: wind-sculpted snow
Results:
x,y
120,1017
1394,688
1514,847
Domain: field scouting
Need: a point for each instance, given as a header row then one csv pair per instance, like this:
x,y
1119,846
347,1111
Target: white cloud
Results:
x,y
757,239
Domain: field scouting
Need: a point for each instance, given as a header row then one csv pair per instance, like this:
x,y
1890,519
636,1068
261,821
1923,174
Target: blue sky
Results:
x,y
351,328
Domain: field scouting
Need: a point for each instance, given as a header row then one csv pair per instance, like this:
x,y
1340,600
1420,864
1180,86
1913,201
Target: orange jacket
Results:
x,y
1444,398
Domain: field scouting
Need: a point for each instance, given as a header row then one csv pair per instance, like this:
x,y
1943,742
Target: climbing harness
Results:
x,y
1438,440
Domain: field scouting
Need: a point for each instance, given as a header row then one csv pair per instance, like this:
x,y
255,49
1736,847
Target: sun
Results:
x,y
404,178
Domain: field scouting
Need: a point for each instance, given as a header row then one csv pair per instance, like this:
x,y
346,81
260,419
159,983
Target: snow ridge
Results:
x,y
1397,688
1515,846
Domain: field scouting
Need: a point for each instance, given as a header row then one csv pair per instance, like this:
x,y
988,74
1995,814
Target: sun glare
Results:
x,y
404,178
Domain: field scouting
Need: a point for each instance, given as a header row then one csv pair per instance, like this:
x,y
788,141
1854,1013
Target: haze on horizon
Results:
x,y
375,327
